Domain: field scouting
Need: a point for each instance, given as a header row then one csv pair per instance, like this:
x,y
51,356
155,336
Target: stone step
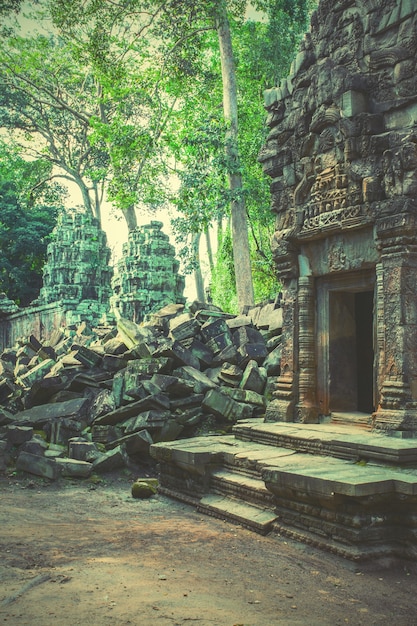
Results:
x,y
339,441
237,485
199,453
252,517
359,511
354,418
350,507
327,478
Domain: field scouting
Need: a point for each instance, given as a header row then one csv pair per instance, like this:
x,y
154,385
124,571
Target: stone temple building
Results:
x,y
334,461
342,157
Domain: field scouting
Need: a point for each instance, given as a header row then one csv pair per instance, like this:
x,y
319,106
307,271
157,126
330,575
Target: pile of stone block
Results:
x,y
95,400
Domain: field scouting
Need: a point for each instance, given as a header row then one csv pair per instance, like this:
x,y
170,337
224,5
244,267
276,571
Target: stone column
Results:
x,y
308,411
282,408
397,307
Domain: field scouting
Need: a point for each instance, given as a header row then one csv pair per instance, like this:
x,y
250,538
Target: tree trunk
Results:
x,y
130,217
209,249
198,276
240,239
97,204
85,195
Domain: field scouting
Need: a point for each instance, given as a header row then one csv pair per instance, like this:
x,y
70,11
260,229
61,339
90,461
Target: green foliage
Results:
x,y
223,285
23,239
127,92
265,284
263,53
26,221
9,6
46,102
123,45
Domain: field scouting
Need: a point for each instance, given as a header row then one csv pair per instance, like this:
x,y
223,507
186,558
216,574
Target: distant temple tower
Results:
x,y
77,271
146,275
342,157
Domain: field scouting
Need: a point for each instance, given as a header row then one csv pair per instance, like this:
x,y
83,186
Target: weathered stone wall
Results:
x,y
147,275
342,156
39,321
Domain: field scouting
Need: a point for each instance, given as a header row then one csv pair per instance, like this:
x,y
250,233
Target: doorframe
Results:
x,y
353,282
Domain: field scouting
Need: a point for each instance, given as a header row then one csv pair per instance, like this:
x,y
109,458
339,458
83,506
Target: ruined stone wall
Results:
x,y
342,157
40,321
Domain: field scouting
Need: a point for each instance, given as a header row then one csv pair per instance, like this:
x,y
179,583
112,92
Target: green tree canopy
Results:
x,y
27,218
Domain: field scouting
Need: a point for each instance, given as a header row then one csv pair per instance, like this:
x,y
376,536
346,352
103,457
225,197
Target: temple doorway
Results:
x,y
346,378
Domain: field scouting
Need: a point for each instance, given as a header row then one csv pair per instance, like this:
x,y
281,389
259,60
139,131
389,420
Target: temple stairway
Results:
x,y
336,486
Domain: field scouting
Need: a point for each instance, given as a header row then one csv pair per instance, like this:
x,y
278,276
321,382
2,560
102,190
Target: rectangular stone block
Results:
x,y
220,342
182,328
224,407
86,356
131,410
135,443
150,420
194,399
203,353
36,373
39,415
201,383
238,321
74,468
178,354
16,435
111,460
37,465
213,328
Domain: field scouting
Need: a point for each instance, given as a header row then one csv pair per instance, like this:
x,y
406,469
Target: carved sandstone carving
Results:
x,y
342,153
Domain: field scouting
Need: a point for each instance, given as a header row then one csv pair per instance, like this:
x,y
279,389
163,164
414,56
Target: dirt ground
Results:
x,y
87,553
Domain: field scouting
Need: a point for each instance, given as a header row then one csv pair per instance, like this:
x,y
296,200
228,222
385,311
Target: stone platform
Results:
x,y
338,487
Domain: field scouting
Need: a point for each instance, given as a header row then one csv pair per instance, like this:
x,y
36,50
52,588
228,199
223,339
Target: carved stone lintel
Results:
x,y
285,256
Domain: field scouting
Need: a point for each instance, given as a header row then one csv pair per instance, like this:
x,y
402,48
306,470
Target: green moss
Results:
x,y
144,488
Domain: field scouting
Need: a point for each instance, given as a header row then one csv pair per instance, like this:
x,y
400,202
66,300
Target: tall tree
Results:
x,y
240,238
137,96
28,210
145,61
47,102
261,55
92,100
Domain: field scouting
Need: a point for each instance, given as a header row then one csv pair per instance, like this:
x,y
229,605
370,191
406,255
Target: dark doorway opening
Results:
x,y
351,356
364,303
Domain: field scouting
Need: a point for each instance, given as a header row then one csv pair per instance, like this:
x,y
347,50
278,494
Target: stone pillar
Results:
x,y
308,411
282,407
397,338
